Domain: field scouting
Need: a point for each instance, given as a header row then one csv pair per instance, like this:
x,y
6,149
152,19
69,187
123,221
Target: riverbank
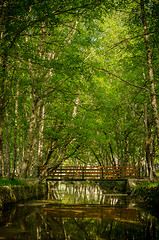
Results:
x,y
15,194
144,192
148,194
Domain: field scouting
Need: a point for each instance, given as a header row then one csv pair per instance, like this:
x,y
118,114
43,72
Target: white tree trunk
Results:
x,y
150,70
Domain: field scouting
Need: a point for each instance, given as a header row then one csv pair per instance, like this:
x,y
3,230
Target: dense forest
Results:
x,y
79,84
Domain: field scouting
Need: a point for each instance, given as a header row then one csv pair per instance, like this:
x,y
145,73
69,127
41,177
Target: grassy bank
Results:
x,y
148,194
15,191
10,195
8,182
148,191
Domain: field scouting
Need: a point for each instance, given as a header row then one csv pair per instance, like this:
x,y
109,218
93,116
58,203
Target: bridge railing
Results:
x,y
92,173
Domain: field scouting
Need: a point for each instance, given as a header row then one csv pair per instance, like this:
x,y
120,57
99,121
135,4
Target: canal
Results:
x,y
75,211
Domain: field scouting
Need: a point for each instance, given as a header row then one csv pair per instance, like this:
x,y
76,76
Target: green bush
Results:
x,y
8,182
149,192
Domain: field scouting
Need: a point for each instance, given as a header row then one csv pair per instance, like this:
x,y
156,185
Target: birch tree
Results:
x,y
150,69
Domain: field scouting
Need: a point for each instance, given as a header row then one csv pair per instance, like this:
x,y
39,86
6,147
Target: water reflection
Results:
x,y
84,193
75,212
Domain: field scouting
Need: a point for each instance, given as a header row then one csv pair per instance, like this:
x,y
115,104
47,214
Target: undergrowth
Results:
x,y
148,184
8,182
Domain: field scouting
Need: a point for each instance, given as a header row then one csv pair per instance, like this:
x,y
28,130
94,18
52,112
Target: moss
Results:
x,y
15,194
114,186
148,185
148,193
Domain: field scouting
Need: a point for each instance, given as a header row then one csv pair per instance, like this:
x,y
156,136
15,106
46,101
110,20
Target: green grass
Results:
x,y
8,182
148,185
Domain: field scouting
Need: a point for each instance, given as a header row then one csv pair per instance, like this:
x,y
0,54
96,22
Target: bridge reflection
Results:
x,y
89,201
94,212
68,215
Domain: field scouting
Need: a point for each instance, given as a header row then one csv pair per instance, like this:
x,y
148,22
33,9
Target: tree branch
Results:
x,y
123,80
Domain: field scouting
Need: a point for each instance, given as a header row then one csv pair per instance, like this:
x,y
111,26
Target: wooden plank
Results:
x,y
93,172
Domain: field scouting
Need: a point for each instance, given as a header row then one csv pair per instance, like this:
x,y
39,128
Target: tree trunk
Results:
x,y
75,107
96,156
150,70
58,160
2,107
1,141
153,154
113,159
147,145
41,137
30,140
15,132
2,95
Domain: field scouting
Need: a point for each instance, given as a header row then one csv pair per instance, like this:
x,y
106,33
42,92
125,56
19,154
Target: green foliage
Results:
x,y
55,53
8,182
147,185
148,194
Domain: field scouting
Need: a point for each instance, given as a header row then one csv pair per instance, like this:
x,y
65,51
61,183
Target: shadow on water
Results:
x,y
78,211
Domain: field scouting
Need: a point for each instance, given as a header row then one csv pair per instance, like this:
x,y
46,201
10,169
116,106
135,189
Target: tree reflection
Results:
x,y
84,193
107,217
31,222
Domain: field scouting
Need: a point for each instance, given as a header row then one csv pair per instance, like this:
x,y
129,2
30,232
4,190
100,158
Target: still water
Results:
x,y
79,211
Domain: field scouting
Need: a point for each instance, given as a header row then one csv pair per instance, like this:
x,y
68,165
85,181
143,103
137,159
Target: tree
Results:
x,y
150,69
74,88
37,38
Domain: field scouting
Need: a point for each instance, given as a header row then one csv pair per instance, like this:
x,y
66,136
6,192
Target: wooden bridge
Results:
x,y
100,173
